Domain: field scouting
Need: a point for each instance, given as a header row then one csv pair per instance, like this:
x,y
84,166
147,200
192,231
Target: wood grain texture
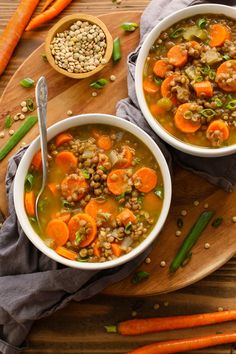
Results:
x,y
79,328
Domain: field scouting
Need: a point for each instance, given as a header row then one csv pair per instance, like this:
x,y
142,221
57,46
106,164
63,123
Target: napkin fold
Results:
x,y
33,286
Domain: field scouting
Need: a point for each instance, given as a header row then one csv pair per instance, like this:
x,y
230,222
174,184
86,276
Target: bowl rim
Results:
x,y
76,17
143,53
78,120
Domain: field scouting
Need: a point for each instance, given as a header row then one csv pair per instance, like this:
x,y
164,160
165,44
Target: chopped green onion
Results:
x,y
137,161
139,276
159,191
30,104
226,57
217,222
65,204
158,81
116,54
27,82
140,198
191,239
111,329
78,238
19,134
99,84
85,174
211,74
208,112
8,122
128,228
44,57
105,216
129,26
218,102
201,23
180,223
177,33
102,168
82,259
119,197
231,105
31,219
29,181
198,78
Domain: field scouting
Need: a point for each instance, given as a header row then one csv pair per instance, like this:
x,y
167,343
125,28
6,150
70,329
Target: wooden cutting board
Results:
x,y
68,94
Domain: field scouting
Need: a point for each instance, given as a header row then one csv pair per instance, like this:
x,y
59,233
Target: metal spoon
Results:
x,y
41,94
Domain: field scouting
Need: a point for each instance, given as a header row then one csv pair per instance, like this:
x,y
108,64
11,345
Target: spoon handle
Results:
x,y
41,93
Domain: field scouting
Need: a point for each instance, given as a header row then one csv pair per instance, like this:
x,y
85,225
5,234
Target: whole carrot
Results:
x,y
47,15
47,3
183,345
150,325
14,29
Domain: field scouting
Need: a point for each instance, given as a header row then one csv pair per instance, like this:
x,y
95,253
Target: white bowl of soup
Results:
x,y
107,195
185,80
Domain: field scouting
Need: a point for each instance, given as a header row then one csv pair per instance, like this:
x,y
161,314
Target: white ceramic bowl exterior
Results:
x,y
144,51
59,127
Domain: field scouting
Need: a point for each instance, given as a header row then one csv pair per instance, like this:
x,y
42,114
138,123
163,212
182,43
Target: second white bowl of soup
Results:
x,y
185,80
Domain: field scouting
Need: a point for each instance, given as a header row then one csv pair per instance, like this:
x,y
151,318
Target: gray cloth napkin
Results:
x,y
220,171
33,286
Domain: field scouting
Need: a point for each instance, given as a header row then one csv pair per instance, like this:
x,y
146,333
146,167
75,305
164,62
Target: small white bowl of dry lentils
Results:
x,y
79,46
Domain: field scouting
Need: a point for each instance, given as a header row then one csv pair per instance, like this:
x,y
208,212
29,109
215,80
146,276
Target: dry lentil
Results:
x,y
24,109
234,219
2,134
112,78
148,260
207,245
196,203
156,306
134,313
178,233
23,104
69,112
11,132
183,212
163,264
94,94
220,309
206,205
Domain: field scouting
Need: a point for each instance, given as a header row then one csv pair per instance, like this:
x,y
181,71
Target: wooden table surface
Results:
x,y
79,328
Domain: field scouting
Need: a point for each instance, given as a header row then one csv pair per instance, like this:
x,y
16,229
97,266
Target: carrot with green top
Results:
x,y
66,253
66,160
177,55
203,89
117,181
29,200
218,35
183,124
217,132
49,14
63,138
187,344
161,67
58,231
145,179
126,216
75,226
150,87
14,30
158,324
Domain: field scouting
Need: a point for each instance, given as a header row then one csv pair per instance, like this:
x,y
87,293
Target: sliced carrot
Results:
x,y
156,110
186,345
166,88
63,138
63,216
66,160
127,156
150,87
30,203
37,161
53,188
218,35
203,89
185,125
58,231
74,184
126,216
195,45
116,249
104,142
117,181
220,127
177,55
96,133
66,253
145,179
93,208
152,202
74,226
158,324
161,67
228,66
96,249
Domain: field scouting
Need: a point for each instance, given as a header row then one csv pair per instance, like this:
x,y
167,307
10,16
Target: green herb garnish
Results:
x,y
85,174
30,104
201,23
231,105
158,81
218,102
100,167
78,238
198,78
128,228
159,191
8,122
137,160
27,82
129,26
226,57
111,329
119,197
99,84
65,204
177,33
139,276
33,220
29,181
217,222
208,113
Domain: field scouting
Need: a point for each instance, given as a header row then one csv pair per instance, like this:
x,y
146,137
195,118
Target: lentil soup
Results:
x,y
189,80
104,193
